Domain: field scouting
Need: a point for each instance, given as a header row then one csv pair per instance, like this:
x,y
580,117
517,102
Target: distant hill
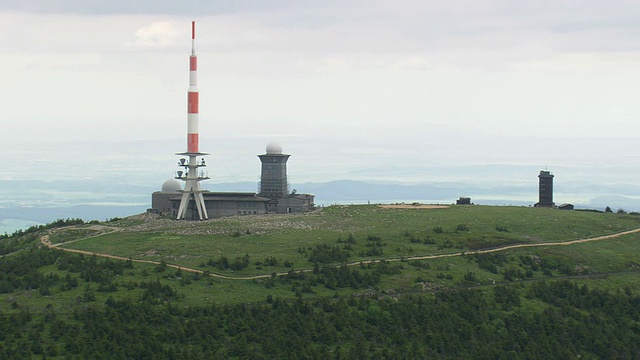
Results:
x,y
24,203
363,191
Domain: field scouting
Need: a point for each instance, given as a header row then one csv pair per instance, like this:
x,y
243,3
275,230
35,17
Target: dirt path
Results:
x,y
46,242
508,247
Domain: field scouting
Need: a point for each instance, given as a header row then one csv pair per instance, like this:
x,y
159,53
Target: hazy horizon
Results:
x,y
480,96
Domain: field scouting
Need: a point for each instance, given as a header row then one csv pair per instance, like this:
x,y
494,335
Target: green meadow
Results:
x,y
314,249
285,243
401,233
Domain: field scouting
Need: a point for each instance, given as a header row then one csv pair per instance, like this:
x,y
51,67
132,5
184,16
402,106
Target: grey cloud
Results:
x,y
139,7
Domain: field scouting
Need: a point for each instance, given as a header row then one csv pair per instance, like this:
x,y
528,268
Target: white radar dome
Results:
x,y
171,185
274,148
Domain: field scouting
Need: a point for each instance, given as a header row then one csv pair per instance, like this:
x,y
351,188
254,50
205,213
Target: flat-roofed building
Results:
x,y
274,196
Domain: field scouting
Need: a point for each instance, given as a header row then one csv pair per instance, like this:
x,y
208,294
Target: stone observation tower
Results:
x,y
273,178
545,189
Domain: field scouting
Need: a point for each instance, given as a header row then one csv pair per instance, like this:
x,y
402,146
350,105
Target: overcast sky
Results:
x,y
348,82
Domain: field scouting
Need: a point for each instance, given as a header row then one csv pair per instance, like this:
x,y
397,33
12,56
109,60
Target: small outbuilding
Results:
x,y
464,200
565,207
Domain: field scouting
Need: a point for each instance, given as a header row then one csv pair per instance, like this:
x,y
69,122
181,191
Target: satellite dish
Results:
x,y
182,160
179,173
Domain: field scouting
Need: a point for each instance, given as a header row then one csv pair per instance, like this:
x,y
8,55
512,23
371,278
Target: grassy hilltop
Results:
x,y
341,282
249,246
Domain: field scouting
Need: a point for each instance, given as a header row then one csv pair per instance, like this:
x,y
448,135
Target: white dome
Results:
x,y
274,148
171,185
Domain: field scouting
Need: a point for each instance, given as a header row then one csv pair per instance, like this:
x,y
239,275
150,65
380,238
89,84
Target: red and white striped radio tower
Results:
x,y
192,174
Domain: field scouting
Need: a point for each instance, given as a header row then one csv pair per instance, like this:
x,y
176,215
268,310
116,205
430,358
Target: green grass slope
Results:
x,y
345,281
401,233
318,243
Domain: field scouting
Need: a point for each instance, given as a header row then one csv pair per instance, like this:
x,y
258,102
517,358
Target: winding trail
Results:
x,y
44,240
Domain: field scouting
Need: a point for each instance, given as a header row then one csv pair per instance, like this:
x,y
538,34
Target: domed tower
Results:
x,y
273,178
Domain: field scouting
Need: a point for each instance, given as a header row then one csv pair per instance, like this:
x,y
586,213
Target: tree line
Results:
x,y
573,321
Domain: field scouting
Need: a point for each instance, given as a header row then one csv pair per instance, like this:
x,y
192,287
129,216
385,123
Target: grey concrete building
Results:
x,y
218,204
274,196
274,184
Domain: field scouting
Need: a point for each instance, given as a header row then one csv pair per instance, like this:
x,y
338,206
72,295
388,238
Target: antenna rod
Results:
x,y
193,37
192,107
